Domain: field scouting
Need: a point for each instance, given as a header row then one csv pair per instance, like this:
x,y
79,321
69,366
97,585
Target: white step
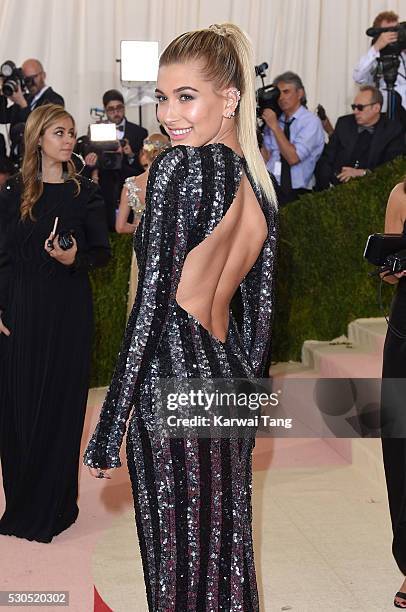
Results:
x,y
368,333
357,355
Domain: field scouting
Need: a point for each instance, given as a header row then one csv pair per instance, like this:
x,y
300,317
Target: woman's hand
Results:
x,y
100,473
3,329
64,257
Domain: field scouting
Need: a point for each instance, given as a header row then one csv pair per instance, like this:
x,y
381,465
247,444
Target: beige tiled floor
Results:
x,y
325,542
322,540
322,535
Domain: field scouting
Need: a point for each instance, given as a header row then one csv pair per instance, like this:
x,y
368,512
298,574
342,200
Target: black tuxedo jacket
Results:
x,y
135,135
111,181
3,150
388,141
15,114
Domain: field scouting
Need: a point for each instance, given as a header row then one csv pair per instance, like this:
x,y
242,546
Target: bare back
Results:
x,y
214,269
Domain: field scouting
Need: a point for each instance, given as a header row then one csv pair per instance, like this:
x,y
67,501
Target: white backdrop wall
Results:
x,y
78,41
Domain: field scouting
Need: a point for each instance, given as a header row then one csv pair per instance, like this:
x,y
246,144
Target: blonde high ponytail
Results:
x,y
228,59
246,116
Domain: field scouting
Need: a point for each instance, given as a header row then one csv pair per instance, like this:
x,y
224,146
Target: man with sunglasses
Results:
x,y
39,93
360,142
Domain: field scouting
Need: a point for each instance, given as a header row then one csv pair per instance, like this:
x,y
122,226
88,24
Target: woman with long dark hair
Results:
x,y
52,230
208,228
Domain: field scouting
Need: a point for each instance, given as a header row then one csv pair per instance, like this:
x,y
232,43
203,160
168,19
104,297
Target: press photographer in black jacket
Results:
x,y
16,114
39,93
131,138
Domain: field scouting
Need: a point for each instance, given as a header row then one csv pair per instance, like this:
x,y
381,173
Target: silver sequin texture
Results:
x,y
192,497
133,197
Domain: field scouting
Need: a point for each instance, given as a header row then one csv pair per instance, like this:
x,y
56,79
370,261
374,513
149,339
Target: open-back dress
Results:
x,y
192,496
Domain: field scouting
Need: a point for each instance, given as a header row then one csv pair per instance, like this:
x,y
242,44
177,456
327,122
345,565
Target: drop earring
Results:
x,y
65,171
39,164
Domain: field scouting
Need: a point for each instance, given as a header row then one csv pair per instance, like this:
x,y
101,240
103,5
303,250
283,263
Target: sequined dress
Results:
x,y
192,497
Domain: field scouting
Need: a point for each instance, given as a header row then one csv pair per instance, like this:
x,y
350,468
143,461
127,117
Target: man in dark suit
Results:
x,y
39,93
131,133
131,137
360,141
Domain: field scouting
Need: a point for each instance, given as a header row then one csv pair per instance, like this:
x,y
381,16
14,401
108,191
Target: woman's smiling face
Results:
x,y
189,108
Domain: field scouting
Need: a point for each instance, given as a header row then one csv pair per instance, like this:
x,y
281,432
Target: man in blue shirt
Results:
x,y
295,141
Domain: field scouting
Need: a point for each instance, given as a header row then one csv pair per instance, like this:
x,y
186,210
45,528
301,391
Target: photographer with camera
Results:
x,y
27,90
385,63
129,134
361,141
130,139
295,140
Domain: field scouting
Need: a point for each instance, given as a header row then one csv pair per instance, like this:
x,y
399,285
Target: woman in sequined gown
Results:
x,y
46,323
208,228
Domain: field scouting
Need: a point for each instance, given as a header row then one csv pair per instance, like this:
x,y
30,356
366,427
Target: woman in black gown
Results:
x,y
394,395
208,228
45,326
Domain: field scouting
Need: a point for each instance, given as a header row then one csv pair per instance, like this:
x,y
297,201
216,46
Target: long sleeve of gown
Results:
x,y
8,194
257,290
97,252
164,229
4,268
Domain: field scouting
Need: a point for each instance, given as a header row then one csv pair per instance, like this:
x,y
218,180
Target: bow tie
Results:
x,y
120,128
364,128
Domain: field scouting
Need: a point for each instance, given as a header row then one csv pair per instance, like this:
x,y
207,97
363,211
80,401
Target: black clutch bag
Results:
x,y
380,246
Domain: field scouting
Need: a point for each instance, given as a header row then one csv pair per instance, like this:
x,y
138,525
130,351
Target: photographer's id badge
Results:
x,y
277,171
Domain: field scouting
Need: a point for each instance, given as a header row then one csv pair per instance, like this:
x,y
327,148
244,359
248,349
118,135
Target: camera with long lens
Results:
x,y
267,96
13,78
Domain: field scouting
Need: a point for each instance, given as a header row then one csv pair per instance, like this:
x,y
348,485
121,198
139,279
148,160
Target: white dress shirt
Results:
x,y
364,71
120,129
307,136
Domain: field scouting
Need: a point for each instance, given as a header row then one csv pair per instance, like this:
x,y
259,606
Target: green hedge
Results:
x,y
110,293
322,281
